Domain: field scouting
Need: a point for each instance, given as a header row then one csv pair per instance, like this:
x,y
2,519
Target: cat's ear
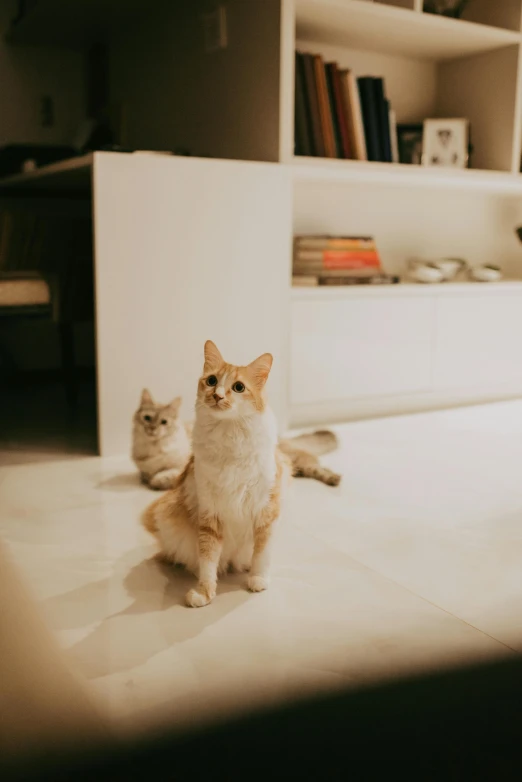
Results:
x,y
146,398
213,358
260,369
175,405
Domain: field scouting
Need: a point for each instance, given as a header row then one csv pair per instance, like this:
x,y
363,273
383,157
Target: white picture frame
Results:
x,y
446,143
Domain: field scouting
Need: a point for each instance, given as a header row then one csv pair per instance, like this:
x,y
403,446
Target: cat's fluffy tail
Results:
x,y
315,443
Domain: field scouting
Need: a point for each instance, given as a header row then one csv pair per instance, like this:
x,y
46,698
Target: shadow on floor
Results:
x,y
121,483
125,638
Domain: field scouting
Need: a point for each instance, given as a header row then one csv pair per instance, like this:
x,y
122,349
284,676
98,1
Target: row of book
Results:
x,y
338,260
340,116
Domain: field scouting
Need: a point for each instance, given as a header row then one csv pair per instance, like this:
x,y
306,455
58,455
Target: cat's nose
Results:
x,y
218,397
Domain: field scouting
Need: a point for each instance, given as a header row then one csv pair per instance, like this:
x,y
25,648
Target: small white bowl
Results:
x,y
450,267
485,273
425,272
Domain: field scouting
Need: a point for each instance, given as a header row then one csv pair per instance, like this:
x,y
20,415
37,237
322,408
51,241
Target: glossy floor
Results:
x,y
415,561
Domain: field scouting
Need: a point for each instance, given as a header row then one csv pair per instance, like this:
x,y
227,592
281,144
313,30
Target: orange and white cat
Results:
x,y
224,508
160,441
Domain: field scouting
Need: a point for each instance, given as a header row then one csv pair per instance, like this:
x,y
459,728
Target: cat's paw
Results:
x,y
197,599
258,583
333,479
161,482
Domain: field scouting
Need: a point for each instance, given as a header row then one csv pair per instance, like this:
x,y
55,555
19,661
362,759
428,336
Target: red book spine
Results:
x,y
350,260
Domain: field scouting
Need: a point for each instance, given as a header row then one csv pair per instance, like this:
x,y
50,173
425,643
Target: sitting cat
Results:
x,y
224,507
161,446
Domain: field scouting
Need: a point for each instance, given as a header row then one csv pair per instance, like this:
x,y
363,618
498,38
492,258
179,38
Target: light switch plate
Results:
x,y
215,29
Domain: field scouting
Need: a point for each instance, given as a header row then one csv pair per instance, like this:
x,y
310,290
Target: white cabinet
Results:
x,y
358,353
358,346
478,340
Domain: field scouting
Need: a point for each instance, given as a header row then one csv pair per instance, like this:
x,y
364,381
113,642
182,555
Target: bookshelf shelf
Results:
x,y
310,169
406,289
73,175
400,31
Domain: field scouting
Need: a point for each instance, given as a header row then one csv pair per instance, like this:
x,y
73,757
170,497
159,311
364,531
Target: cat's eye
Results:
x,y
147,418
164,421
212,380
238,387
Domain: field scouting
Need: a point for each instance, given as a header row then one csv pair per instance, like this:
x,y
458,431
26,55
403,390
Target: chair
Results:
x,y
26,294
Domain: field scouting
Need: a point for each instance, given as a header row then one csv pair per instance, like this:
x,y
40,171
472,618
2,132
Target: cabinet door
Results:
x,y
360,347
479,341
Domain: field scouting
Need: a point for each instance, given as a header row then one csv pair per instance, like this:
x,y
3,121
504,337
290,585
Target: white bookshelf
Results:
x,y
390,349
433,66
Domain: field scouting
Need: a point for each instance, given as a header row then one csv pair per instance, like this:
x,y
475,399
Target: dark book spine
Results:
x,y
376,279
387,133
318,149
347,148
333,110
383,109
370,117
303,143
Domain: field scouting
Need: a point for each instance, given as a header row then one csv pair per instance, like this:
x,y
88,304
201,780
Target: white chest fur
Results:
x,y
234,467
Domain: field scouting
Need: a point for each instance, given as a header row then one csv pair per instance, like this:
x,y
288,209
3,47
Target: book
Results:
x,y
376,279
353,111
394,138
387,132
303,142
336,259
305,280
383,112
336,255
347,150
329,71
324,107
365,271
312,100
326,242
370,114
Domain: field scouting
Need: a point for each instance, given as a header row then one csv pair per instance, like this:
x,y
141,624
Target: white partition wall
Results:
x,y
186,250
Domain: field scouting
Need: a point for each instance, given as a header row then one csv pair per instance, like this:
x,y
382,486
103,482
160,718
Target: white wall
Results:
x,y
26,75
186,250
175,95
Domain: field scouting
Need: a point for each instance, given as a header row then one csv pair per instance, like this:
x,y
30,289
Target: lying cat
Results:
x,y
224,507
161,446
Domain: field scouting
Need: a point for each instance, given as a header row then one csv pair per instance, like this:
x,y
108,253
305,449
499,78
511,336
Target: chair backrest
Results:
x,y
58,246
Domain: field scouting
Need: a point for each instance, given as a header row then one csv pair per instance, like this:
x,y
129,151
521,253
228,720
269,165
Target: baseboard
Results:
x,y
403,404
